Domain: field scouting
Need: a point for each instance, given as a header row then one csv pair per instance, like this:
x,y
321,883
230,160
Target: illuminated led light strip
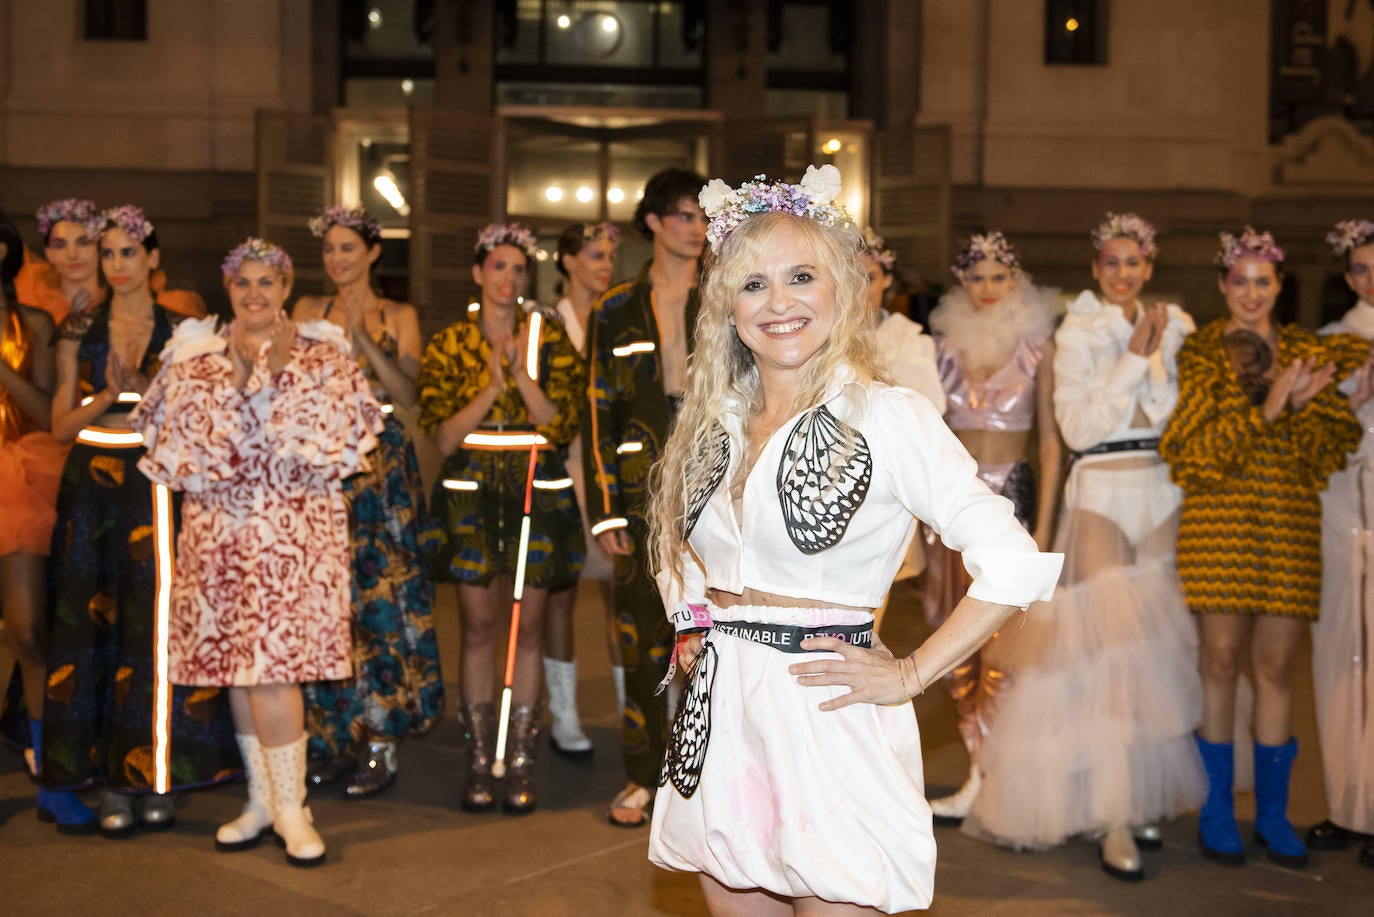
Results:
x,y
106,436
388,408
124,398
532,354
555,484
505,440
473,307
520,564
455,484
607,525
162,686
627,448
637,347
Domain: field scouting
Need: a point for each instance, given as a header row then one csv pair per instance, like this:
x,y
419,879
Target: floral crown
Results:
x,y
814,197
259,250
354,218
992,246
494,234
1126,226
129,218
1250,244
1348,235
595,232
877,247
71,210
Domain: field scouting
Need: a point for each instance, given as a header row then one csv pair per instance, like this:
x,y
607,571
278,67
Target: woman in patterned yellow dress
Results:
x,y
494,385
1258,430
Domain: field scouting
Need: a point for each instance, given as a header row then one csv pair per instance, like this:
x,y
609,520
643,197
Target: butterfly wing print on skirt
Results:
x,y
823,478
691,727
720,461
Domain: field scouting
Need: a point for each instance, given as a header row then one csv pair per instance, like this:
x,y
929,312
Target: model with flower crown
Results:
x,y
257,424
996,362
1343,637
68,277
501,394
108,582
1094,729
785,500
1258,430
585,258
397,689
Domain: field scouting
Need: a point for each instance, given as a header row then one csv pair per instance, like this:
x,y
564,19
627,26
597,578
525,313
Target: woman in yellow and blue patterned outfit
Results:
x,y
1258,429
493,386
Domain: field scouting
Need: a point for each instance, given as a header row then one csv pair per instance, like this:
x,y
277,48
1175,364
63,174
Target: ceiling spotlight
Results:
x,y
585,194
407,86
831,146
374,18
609,24
541,254
385,183
1071,25
553,193
615,195
564,21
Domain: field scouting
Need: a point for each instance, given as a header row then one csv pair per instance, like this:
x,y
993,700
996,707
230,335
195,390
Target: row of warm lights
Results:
x,y
608,23
584,194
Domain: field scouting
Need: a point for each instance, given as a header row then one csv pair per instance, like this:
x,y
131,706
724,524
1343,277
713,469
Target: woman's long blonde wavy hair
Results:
x,y
722,366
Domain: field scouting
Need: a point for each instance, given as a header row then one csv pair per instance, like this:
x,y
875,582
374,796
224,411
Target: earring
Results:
x,y
731,320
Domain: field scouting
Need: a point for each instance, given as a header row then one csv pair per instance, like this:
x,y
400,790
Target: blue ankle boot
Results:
x,y
1273,765
1217,834
61,806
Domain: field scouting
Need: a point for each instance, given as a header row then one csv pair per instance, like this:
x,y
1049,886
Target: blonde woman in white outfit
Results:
x,y
785,500
1094,731
1343,637
585,258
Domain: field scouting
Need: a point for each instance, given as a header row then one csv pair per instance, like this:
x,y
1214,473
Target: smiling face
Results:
x,y
501,275
785,307
1251,288
72,252
1359,275
347,259
879,282
591,267
1121,271
257,293
125,263
988,282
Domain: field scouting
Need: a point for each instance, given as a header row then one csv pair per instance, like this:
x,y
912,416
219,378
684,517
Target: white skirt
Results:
x,y
1095,727
791,799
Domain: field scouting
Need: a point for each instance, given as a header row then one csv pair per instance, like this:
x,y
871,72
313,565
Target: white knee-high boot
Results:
x,y
291,819
245,831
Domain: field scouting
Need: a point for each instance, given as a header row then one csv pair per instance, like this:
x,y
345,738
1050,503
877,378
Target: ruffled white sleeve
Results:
x,y
191,416
936,480
908,355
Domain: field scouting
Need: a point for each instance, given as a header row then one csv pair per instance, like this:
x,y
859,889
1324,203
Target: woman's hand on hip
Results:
x,y
872,675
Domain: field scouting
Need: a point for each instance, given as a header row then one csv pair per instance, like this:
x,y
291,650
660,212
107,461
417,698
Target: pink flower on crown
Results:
x,y
259,250
594,232
877,247
1348,235
70,210
813,198
129,218
1126,226
354,218
1250,244
991,246
495,234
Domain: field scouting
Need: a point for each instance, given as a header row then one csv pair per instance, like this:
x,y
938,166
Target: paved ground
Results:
x,y
413,852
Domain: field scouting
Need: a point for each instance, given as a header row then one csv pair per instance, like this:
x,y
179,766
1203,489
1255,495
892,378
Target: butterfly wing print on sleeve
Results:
x,y
823,478
720,462
691,728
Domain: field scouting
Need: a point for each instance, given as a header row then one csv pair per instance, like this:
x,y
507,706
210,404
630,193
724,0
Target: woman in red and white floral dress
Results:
x,y
257,425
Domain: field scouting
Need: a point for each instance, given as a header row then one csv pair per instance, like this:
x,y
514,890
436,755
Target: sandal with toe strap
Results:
x,y
638,799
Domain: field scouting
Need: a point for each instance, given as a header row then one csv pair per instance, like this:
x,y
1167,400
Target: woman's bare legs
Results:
x,y
22,596
479,608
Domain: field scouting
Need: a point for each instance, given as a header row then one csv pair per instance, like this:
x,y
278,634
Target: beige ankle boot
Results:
x,y
247,830
290,818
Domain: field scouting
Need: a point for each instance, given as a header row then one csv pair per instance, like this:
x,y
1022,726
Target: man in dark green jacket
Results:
x,y
639,337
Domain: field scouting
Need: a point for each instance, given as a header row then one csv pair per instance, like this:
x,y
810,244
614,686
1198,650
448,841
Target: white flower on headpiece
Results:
x,y
823,184
713,195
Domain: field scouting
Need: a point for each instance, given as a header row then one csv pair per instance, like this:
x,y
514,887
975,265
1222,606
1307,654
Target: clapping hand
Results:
x,y
1311,380
1149,330
282,336
495,369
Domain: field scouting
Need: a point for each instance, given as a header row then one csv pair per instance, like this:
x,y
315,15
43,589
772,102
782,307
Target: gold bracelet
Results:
x,y
901,674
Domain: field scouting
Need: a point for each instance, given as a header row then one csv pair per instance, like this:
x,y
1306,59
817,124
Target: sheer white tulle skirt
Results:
x,y
1095,727
789,798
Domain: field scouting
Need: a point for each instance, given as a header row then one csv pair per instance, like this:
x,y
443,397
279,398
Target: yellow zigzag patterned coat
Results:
x,y
1249,539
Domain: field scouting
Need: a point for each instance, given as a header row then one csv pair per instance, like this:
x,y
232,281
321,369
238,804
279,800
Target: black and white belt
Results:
x,y
787,638
1123,445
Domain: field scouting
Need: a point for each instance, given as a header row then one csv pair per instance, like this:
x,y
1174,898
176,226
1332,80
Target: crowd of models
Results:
x,y
219,556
